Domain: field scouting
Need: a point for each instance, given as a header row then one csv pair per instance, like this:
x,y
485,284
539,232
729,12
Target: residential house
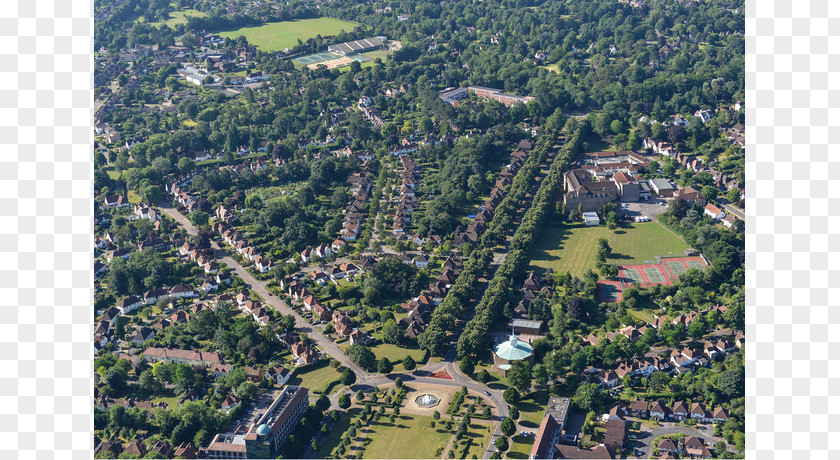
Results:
x,y
713,212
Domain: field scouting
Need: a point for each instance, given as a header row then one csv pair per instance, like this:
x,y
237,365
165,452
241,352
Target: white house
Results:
x,y
714,212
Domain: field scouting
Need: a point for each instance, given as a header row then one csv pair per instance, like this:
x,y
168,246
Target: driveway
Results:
x,y
650,208
647,435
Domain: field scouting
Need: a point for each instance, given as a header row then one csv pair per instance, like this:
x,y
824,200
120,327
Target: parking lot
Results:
x,y
650,208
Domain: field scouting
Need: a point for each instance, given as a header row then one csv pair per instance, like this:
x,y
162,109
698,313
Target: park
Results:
x,y
277,36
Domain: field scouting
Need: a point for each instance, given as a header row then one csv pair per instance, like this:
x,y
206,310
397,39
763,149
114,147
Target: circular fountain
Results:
x,y
427,400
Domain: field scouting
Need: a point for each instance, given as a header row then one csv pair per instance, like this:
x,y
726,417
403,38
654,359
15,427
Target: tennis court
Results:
x,y
632,274
694,263
654,274
610,291
314,58
676,267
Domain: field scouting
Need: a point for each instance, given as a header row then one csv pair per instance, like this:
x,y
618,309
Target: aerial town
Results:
x,y
432,230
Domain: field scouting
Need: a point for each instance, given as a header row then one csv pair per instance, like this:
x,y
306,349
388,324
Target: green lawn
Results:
x,y
396,354
336,432
573,247
178,17
278,36
532,409
410,437
637,243
520,447
497,380
479,432
569,248
314,378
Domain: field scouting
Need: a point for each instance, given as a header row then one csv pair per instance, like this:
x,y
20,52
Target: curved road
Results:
x,y
710,440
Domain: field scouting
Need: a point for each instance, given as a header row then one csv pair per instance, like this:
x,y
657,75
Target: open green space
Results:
x,y
315,377
637,243
497,380
179,17
478,437
409,437
336,432
572,247
395,353
532,409
520,447
276,36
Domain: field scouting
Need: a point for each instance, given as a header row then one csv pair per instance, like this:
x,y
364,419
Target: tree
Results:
x,y
514,413
589,397
408,363
152,194
344,401
384,366
733,195
117,379
348,377
362,356
519,375
731,382
392,332
323,403
398,382
511,396
540,374
508,427
696,329
147,381
576,308
483,376
659,381
710,192
315,445
467,366
199,218
502,443
436,415
293,447
247,391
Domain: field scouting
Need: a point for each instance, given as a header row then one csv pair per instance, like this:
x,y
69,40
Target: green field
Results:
x,y
396,354
179,17
520,447
532,409
278,36
315,378
573,247
330,442
410,437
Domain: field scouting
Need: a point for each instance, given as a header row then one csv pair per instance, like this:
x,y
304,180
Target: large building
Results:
x,y
265,438
582,192
513,349
357,46
551,428
497,94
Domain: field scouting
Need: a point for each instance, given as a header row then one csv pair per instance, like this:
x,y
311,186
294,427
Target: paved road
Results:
x,y
670,428
261,288
735,211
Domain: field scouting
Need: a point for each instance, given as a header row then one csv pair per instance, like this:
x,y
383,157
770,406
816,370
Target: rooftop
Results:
x,y
513,349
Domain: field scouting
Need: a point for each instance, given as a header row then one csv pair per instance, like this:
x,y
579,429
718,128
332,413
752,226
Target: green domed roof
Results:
x,y
513,349
263,430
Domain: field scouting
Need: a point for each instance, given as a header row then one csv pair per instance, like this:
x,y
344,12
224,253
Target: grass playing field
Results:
x,y
278,36
409,437
179,17
573,247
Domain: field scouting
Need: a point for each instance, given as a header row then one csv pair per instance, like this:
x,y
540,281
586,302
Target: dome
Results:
x,y
513,349
263,430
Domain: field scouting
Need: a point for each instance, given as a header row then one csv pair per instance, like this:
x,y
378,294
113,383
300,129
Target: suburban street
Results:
x,y
646,440
364,381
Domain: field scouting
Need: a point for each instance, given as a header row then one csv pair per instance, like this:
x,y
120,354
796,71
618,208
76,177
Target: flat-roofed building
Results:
x,y
551,427
265,438
661,187
356,46
527,326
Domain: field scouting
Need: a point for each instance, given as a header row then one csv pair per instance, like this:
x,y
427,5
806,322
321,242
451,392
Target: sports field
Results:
x,y
179,17
573,247
277,36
